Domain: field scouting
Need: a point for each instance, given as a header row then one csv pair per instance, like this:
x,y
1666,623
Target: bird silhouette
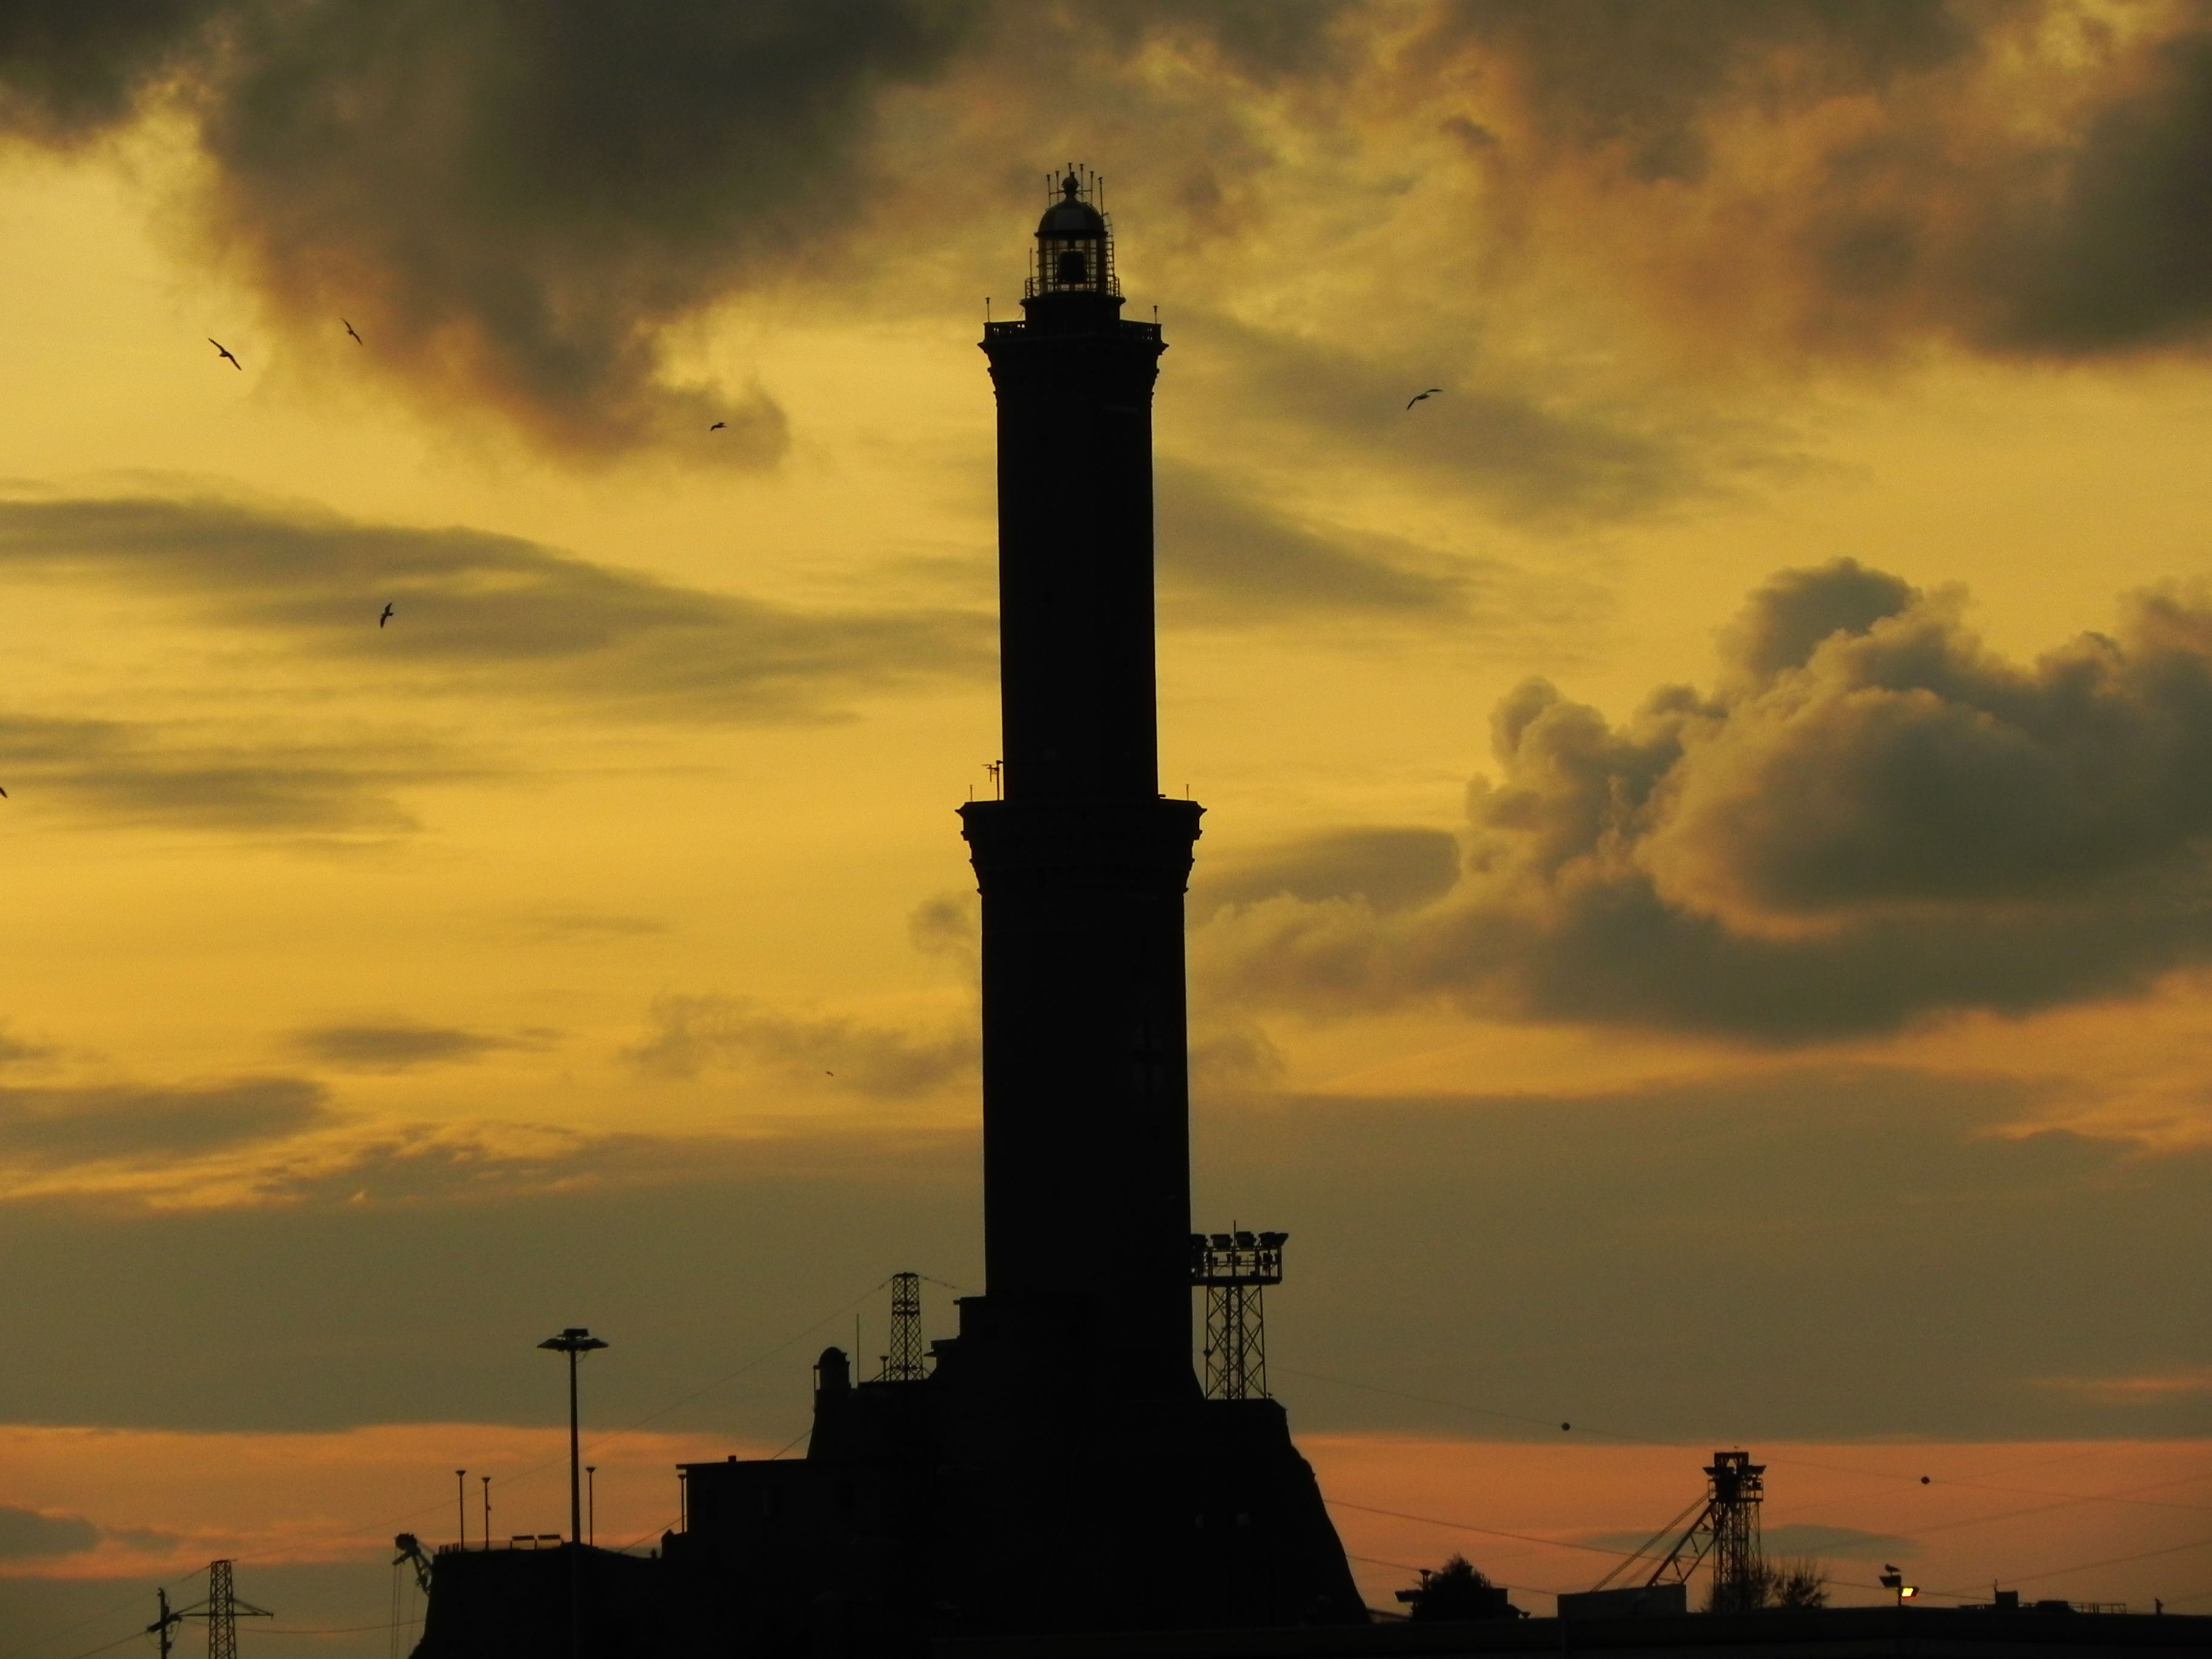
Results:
x,y
1889,1566
386,617
718,426
357,340
1419,396
3,794
223,351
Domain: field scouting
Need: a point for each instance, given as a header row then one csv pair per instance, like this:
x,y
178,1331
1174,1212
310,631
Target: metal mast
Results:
x,y
904,1362
1234,1268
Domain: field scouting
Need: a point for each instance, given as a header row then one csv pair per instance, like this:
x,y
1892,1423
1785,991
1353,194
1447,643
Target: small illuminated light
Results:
x,y
1906,1592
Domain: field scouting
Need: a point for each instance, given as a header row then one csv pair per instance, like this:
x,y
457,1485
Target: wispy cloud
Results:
x,y
403,1046
688,1035
62,1126
477,614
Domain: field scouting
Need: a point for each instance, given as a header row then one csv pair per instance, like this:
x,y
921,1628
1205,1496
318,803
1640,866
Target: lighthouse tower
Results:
x,y
1081,864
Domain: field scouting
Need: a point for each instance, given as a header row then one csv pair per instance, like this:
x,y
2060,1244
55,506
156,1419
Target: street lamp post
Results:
x,y
461,1503
574,1341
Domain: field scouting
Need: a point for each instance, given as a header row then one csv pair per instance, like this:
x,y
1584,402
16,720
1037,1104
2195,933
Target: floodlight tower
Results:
x,y
575,1341
1234,1268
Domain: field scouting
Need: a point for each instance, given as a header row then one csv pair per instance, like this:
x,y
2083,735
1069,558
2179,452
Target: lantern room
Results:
x,y
1075,242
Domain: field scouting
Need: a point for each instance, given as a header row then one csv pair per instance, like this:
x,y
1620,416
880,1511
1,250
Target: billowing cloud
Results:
x,y
476,613
402,1045
1388,868
33,1533
688,1035
68,1125
1872,818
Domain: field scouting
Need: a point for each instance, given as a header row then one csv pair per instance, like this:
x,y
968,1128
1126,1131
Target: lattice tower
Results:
x,y
1234,1268
904,1362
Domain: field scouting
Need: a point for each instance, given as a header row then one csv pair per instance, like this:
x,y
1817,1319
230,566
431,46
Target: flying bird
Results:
x,y
1419,396
718,426
223,351
386,617
357,340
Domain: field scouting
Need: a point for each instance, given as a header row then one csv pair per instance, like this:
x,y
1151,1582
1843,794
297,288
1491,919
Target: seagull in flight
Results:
x,y
1419,396
386,617
718,426
357,340
223,351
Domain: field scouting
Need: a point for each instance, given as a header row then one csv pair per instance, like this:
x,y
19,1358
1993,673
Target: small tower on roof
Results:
x,y
1075,242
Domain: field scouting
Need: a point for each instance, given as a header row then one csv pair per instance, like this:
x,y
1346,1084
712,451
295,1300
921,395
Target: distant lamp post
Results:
x,y
575,1341
591,1503
461,1503
1895,1580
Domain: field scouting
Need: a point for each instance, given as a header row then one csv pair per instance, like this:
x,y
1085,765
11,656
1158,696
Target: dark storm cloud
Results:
x,y
510,201
688,1035
2120,253
1642,76
480,612
1225,558
137,774
68,71
67,1125
402,1047
1859,169
1859,827
29,1533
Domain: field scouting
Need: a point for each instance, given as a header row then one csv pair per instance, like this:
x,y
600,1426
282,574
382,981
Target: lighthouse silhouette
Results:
x,y
1055,1468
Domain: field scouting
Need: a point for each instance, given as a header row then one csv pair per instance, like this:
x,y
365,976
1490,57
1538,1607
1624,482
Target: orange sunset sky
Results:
x,y
1704,923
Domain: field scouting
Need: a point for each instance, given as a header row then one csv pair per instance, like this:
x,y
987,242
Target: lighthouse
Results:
x,y
1056,1466
1081,864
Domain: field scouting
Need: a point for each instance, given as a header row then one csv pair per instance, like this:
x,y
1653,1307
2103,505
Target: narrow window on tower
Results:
x,y
1146,1053
1074,268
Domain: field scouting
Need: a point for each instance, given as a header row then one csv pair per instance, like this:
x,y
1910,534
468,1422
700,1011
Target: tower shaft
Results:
x,y
1082,865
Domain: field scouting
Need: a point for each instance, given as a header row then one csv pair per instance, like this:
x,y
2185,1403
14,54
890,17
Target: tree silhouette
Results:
x,y
1455,1592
